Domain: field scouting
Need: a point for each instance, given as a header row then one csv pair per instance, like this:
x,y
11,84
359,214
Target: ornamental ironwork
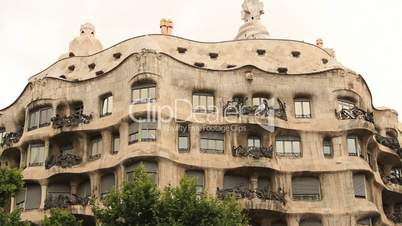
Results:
x,y
11,138
354,113
396,217
59,122
237,107
390,142
394,177
253,152
240,192
64,201
66,160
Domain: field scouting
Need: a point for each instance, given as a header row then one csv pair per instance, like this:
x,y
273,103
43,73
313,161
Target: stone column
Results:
x,y
106,143
95,178
83,140
74,187
214,179
44,185
253,183
47,149
120,176
123,132
12,205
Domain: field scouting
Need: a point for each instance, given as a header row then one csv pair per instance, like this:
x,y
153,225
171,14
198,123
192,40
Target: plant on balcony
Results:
x,y
59,217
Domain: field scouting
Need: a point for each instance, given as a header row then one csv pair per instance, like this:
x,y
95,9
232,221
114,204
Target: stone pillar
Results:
x,y
123,131
74,187
95,179
214,179
83,140
106,143
47,149
12,205
120,176
44,185
253,183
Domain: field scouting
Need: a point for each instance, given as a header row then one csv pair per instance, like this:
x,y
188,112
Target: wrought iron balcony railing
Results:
x,y
254,152
11,138
354,113
396,217
64,201
390,142
238,108
59,122
393,178
239,192
64,161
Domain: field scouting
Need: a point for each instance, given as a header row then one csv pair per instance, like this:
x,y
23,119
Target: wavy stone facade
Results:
x,y
331,159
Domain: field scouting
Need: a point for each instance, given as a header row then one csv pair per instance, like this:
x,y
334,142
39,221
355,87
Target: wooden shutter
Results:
x,y
359,184
311,223
34,195
107,183
306,186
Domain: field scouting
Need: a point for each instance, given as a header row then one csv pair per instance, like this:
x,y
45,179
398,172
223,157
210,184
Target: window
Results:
x,y
36,154
310,223
359,185
78,109
199,177
253,142
143,130
107,184
368,221
302,108
354,146
84,189
264,184
115,143
257,101
233,181
143,93
96,148
346,104
328,148
33,191
203,102
288,146
67,149
40,118
306,188
184,138
20,199
2,134
212,142
151,168
56,190
107,105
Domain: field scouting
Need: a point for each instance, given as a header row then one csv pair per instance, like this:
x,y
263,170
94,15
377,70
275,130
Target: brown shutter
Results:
x,y
34,195
359,184
306,186
235,181
199,175
107,183
84,189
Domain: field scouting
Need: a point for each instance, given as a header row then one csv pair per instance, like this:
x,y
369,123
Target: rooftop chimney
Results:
x,y
166,26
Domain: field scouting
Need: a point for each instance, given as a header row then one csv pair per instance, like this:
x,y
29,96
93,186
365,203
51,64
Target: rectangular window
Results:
x,y
302,108
254,142
40,118
264,184
359,184
107,184
36,154
328,149
203,102
345,104
107,106
353,143
142,94
78,109
115,144
183,138
212,142
20,199
2,134
67,149
199,177
151,168
306,188
288,146
257,101
143,130
96,148
84,189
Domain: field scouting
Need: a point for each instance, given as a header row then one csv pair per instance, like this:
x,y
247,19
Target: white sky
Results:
x,y
366,34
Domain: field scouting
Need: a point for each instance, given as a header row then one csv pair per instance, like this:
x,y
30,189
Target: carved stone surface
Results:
x,y
241,193
64,161
11,138
252,27
354,113
390,142
254,152
59,122
237,107
63,201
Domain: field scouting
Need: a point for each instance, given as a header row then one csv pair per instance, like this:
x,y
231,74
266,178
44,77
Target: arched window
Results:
x,y
106,105
143,92
288,146
367,221
36,154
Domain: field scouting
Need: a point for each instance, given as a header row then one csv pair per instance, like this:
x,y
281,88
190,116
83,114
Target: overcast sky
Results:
x,y
366,34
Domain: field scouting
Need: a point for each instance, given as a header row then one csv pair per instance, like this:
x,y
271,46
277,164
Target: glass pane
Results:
x,y
116,144
256,101
211,103
306,108
204,144
110,104
183,143
144,93
279,147
152,93
211,145
152,134
257,143
298,109
136,95
296,147
220,145
104,107
288,146
250,142
352,146
203,102
195,101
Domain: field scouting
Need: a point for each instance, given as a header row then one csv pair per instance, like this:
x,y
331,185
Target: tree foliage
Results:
x,y
60,217
141,204
11,219
11,182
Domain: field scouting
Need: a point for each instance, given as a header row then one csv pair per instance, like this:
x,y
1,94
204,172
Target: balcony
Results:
x,y
59,122
11,138
354,113
390,142
253,152
65,160
239,192
238,108
64,201
394,177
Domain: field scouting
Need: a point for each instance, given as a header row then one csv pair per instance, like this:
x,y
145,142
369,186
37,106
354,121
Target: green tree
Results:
x,y
134,205
141,204
11,182
60,217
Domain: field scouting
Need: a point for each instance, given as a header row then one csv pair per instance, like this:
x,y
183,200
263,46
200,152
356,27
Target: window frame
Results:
x,y
98,141
357,145
184,133
142,126
35,118
140,87
115,143
214,137
203,107
107,101
253,140
307,197
355,175
303,114
346,103
39,146
327,143
285,140
259,99
200,187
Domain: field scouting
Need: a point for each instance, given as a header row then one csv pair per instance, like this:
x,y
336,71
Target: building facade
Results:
x,y
281,124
